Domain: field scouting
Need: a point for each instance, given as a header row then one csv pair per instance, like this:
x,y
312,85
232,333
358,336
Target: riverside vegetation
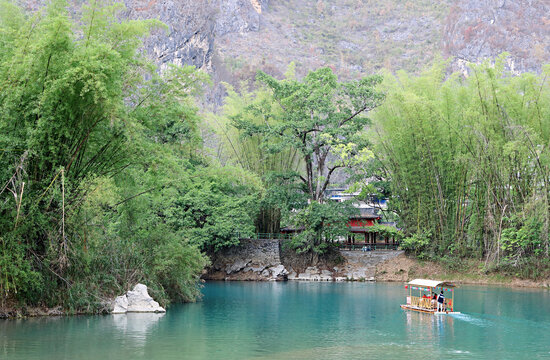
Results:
x,y
105,181
469,165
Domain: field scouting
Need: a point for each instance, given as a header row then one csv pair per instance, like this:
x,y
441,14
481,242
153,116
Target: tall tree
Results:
x,y
323,121
320,117
276,170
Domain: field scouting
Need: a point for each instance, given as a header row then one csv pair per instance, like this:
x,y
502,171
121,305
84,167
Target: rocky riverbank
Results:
x,y
267,260
404,268
136,300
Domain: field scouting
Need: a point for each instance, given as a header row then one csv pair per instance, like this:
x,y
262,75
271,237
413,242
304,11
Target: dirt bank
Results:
x,y
10,312
404,268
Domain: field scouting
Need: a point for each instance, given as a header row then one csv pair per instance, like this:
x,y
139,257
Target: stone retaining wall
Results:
x,y
252,259
260,259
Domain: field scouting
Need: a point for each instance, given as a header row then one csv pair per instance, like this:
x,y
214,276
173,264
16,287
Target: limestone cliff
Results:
x,y
194,26
232,39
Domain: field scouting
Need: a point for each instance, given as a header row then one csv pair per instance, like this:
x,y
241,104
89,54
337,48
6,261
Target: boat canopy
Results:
x,y
431,283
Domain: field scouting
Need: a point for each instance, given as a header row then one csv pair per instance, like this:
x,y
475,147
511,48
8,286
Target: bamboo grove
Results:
x,y
103,179
469,163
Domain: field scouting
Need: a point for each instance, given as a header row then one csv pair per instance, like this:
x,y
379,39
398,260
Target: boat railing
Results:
x,y
426,303
421,302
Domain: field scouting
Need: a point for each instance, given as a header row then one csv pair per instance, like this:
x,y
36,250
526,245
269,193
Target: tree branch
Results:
x,y
330,171
364,108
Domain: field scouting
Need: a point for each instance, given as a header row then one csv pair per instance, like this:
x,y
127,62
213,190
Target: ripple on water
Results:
x,y
473,320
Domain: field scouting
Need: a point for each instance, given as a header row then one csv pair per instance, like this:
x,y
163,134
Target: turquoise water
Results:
x,y
246,320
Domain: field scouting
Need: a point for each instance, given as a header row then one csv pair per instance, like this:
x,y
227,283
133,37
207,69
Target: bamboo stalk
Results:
x,y
19,205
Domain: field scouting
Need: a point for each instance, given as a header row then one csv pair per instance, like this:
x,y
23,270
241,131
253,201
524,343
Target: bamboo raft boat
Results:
x,y
425,303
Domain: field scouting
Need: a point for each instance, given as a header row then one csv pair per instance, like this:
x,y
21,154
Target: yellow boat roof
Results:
x,y
431,283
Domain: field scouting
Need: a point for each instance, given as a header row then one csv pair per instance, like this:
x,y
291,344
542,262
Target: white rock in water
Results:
x,y
140,301
120,305
137,300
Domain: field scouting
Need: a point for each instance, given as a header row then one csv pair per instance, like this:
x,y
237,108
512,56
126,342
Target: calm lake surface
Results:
x,y
247,320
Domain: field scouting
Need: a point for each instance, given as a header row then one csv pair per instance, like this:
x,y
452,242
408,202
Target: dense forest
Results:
x,y
105,180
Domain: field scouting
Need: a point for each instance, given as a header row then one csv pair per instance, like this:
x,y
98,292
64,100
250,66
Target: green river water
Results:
x,y
309,320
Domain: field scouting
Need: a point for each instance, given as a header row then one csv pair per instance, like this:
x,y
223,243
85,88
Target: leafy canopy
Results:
x,y
320,117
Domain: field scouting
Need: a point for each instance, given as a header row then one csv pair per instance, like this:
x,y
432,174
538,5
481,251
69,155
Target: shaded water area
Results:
x,y
245,320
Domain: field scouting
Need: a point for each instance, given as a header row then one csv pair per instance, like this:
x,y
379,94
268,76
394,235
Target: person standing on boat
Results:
x,y
434,299
441,302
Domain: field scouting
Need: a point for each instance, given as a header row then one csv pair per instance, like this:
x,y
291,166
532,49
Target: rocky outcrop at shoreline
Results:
x,y
136,300
253,259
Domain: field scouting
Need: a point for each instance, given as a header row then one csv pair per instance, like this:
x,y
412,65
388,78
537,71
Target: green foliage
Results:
x,y
17,278
322,224
277,170
418,244
385,231
468,160
522,236
318,116
299,133
219,207
101,184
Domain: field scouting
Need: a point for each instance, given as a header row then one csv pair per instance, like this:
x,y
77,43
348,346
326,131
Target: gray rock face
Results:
x,y
480,29
362,265
140,301
278,271
260,259
359,266
232,39
193,26
312,273
237,266
253,259
136,300
238,16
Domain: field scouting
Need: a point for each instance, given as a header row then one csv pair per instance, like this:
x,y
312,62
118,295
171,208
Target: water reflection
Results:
x,y
428,328
136,327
